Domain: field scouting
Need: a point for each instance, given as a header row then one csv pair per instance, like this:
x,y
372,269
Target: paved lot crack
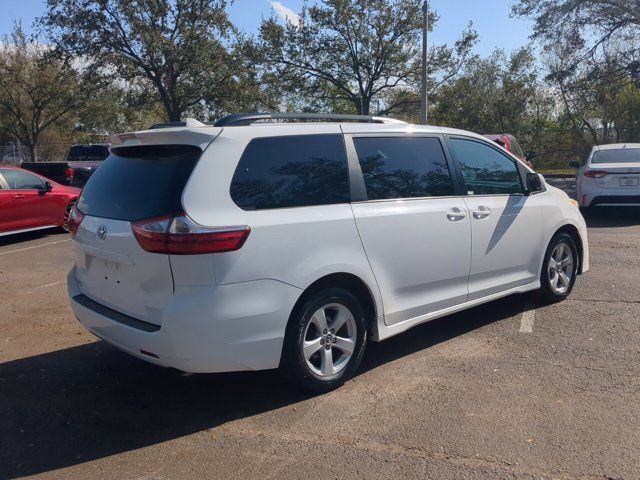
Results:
x,y
369,446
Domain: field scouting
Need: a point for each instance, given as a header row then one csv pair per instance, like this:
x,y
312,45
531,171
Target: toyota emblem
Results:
x,y
102,232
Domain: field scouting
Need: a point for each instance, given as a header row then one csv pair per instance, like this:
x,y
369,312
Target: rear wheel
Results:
x,y
560,268
325,340
67,213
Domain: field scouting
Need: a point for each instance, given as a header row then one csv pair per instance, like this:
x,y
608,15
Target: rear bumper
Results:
x,y
592,195
204,329
616,200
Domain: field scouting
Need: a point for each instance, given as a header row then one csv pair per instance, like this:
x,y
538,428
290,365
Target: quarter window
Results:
x,y
486,171
291,171
18,180
403,167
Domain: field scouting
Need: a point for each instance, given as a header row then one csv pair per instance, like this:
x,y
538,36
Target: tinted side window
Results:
x,y
294,171
18,180
486,171
403,167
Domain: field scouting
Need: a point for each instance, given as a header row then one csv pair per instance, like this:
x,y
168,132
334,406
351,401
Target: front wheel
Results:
x,y
559,268
67,213
325,340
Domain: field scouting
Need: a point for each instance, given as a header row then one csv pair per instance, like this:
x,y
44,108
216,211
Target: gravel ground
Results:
x,y
468,396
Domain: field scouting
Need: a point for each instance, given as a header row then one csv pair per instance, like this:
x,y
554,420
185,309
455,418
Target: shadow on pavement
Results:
x,y
18,238
88,402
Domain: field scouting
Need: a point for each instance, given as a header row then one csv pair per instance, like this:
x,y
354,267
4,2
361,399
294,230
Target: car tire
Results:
x,y
318,354
559,268
65,218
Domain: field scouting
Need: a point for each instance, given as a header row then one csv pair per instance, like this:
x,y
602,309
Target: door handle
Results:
x,y
455,215
481,212
18,195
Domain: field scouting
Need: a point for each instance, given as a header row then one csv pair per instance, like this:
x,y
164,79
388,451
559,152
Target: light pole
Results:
x,y
425,58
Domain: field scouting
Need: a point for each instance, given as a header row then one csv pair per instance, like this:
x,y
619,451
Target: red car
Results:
x,y
32,202
510,144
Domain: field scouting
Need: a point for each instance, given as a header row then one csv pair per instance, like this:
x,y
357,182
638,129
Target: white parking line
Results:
x,y
48,285
526,324
34,246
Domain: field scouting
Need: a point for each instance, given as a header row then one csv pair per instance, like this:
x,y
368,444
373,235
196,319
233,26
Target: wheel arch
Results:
x,y
350,282
574,233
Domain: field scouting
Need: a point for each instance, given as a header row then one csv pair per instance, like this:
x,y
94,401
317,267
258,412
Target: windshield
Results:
x,y
135,183
622,155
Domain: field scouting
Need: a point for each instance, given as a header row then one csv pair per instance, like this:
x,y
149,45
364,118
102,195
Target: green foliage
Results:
x,y
180,53
350,53
38,90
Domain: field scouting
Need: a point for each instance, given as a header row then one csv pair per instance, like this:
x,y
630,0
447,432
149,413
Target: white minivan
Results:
x,y
291,240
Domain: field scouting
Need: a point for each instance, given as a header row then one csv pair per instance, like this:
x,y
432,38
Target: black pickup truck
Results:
x,y
82,161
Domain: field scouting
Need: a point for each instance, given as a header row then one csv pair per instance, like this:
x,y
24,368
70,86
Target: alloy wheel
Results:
x,y
329,339
560,268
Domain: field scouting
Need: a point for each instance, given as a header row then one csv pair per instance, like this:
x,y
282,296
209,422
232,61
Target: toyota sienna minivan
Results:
x,y
290,241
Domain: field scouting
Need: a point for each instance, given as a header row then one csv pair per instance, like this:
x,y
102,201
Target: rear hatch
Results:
x,y
622,167
133,183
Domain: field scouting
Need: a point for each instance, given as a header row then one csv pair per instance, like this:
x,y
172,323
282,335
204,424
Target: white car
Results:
x,y
610,176
255,244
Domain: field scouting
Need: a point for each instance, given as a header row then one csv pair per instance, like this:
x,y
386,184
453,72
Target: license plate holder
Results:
x,y
629,181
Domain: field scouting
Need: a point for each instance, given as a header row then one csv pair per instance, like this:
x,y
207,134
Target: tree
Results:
x,y
37,89
354,52
587,27
497,94
178,49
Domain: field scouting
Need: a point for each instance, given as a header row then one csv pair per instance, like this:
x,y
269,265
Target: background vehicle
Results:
x,y
610,176
251,246
31,202
510,144
82,161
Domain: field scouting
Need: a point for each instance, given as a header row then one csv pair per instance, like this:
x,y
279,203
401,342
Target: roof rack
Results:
x,y
243,119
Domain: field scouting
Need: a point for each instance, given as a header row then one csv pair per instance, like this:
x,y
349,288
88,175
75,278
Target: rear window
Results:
x,y
88,152
622,155
135,183
291,171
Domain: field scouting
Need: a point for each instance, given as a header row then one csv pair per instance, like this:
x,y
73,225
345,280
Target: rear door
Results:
x,y
506,224
134,183
414,228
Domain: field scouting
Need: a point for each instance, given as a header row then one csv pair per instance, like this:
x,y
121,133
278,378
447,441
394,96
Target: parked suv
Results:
x,y
252,245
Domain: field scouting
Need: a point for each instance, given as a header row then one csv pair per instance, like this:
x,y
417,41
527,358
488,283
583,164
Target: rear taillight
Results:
x,y
75,219
179,235
595,173
68,174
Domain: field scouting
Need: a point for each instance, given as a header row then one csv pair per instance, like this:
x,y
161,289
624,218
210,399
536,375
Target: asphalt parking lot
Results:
x,y
512,389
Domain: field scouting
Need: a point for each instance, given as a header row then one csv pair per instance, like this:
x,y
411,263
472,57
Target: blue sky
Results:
x,y
491,19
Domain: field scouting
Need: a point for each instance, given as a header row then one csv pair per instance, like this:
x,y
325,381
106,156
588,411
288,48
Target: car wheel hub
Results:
x,y
560,268
329,340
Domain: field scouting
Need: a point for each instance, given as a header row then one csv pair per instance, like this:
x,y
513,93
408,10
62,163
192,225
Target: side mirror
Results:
x,y
534,183
574,164
47,187
530,155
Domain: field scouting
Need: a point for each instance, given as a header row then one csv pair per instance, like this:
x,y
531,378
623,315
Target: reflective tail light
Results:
x,y
179,235
595,173
68,174
75,219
